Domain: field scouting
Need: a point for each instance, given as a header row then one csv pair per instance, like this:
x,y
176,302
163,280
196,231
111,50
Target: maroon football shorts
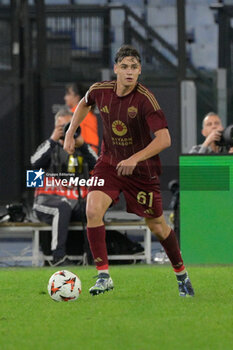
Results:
x,y
142,196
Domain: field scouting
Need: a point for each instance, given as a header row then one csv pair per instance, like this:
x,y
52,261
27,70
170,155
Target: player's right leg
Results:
x,y
97,204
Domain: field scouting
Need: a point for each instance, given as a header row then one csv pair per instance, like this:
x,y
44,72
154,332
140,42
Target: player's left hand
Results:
x,y
230,150
126,167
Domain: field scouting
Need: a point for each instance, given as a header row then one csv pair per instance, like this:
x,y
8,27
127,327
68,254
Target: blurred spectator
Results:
x,y
89,125
211,130
56,204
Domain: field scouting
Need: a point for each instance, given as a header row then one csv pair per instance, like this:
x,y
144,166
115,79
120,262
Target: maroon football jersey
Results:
x,y
128,122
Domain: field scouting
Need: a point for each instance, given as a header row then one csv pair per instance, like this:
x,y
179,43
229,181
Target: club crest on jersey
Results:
x,y
119,128
132,112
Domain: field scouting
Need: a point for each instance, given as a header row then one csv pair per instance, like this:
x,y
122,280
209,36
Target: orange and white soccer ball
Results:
x,y
64,286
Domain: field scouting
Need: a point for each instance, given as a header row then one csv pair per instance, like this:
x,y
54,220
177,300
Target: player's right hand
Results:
x,y
69,143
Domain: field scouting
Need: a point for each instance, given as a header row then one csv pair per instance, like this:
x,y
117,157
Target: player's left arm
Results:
x,y
161,141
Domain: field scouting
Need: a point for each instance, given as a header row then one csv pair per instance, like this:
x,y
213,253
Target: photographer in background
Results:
x,y
53,203
212,131
89,126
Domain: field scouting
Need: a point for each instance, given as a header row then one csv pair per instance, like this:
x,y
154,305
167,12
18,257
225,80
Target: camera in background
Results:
x,y
226,139
76,134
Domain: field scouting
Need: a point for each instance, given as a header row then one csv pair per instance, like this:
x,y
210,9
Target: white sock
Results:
x,y
103,271
181,273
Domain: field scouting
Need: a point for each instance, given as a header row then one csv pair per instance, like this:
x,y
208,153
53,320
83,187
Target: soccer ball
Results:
x,y
64,286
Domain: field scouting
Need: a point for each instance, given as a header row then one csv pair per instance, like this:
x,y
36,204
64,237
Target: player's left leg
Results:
x,y
168,240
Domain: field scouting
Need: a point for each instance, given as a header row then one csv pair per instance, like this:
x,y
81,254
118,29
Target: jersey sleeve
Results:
x,y
91,94
155,117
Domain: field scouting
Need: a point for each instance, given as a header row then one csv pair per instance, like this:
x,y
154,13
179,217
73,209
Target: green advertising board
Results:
x,y
206,208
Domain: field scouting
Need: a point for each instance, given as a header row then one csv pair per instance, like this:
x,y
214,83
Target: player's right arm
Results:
x,y
78,116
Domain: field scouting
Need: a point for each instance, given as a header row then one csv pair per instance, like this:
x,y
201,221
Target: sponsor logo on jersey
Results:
x,y
105,109
119,128
132,112
122,141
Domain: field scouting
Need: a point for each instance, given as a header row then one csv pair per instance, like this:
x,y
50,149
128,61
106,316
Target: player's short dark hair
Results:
x,y
75,87
126,51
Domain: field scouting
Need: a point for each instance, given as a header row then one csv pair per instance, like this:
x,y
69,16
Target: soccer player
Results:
x,y
128,163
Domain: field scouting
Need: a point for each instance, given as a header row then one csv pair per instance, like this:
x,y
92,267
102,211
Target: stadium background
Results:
x,y
186,47
45,44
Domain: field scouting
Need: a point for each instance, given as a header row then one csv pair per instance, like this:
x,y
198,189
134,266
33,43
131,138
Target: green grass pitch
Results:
x,y
143,312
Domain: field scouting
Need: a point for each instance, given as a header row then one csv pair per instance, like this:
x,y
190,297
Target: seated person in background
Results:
x,y
211,130
89,125
56,204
